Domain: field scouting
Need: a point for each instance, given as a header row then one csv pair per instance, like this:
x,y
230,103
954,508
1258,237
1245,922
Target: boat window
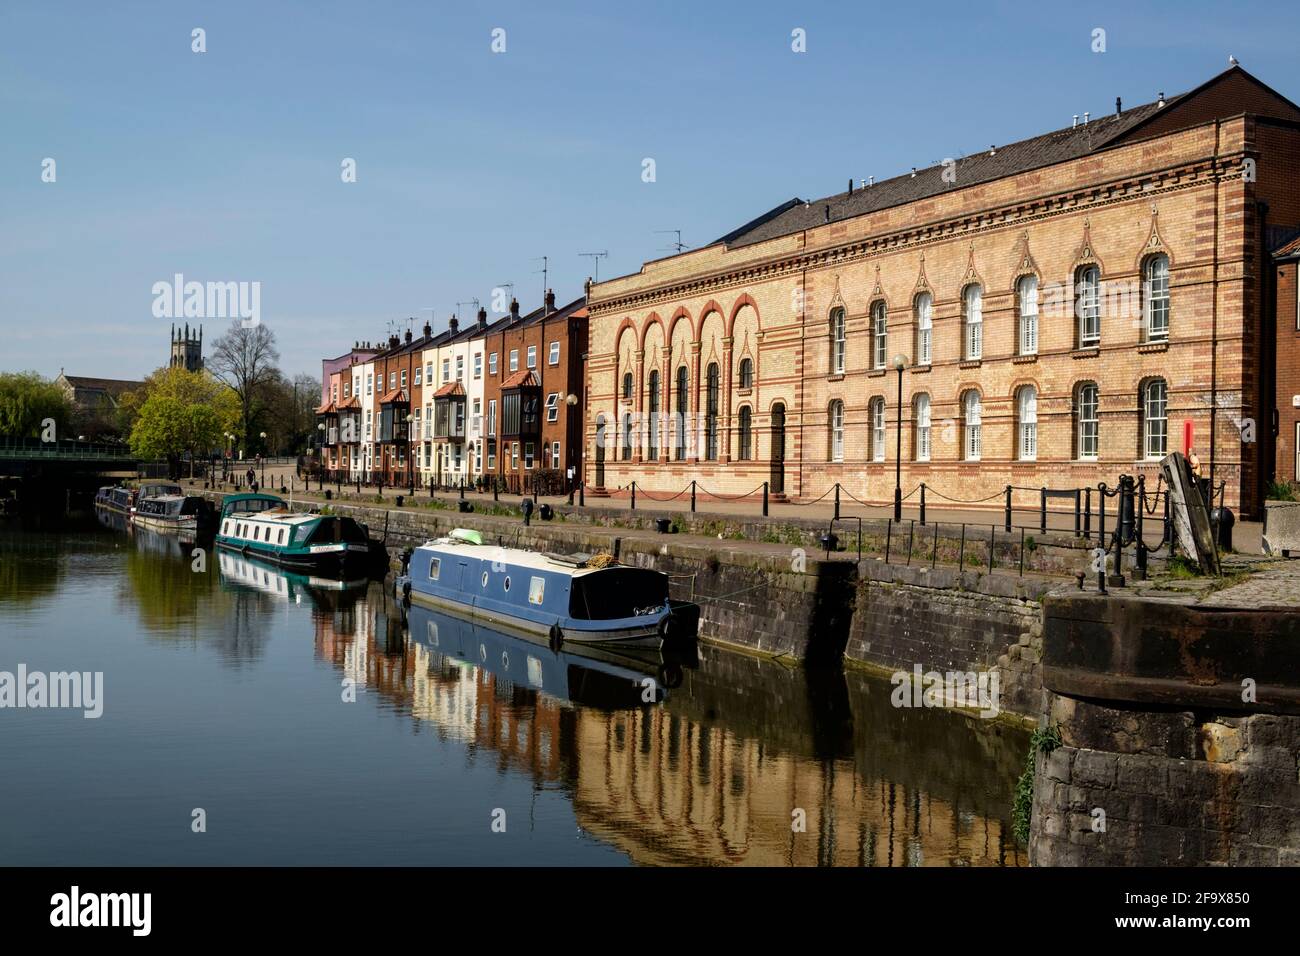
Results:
x,y
485,579
507,584
281,541
536,589
435,568
432,631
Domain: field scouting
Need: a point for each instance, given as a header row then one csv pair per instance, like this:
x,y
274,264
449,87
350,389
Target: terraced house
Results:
x,y
1049,313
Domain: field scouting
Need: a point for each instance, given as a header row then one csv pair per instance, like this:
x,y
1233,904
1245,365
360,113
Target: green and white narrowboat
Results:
x,y
263,526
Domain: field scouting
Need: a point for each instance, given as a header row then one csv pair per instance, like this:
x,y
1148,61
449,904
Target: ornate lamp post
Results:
x,y
262,435
900,363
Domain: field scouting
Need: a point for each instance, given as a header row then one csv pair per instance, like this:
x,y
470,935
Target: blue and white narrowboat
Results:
x,y
263,526
115,498
561,598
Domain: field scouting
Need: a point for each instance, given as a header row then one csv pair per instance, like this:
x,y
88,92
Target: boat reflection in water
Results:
x,y
325,593
602,678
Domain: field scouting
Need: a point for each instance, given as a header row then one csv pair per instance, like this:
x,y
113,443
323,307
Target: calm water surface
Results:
x,y
228,689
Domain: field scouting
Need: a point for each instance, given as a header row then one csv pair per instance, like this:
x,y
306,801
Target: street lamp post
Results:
x,y
571,473
263,437
900,363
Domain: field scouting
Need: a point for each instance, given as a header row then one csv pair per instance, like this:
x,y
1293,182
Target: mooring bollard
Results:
x,y
765,499
837,506
1007,520
634,496
692,496
923,504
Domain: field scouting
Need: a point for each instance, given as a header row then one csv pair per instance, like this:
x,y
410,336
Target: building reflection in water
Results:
x,y
713,770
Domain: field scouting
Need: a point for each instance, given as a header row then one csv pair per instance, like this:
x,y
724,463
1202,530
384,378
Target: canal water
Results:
x,y
300,721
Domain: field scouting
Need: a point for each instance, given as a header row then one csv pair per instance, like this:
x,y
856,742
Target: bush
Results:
x,y
1283,491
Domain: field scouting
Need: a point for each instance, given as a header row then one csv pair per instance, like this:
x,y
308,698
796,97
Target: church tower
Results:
x,y
187,350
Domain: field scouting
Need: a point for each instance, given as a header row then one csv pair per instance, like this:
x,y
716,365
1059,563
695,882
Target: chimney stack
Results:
x,y
550,300
850,186
1075,124
454,324
482,318
428,330
514,310
1119,106
408,336
1086,114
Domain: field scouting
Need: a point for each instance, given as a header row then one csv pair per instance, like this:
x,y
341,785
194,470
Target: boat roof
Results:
x,y
252,496
575,564
278,515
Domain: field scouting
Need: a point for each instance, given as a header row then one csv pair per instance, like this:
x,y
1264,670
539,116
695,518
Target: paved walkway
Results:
x,y
1246,534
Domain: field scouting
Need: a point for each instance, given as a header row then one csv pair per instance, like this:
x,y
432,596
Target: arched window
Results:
x,y
1085,417
924,327
974,304
879,335
681,412
652,449
1027,422
746,373
837,431
1156,281
972,440
627,436
839,339
746,434
921,446
1087,305
1155,418
1027,296
711,413
627,385
877,410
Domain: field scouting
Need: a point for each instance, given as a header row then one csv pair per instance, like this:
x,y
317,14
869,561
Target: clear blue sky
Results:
x,y
225,166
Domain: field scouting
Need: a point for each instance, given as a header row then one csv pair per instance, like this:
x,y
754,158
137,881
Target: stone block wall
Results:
x,y
1176,787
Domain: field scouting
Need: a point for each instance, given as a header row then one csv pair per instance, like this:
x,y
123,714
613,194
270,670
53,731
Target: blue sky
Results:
x,y
225,165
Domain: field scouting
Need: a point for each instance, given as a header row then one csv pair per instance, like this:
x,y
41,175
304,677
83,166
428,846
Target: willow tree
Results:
x,y
27,402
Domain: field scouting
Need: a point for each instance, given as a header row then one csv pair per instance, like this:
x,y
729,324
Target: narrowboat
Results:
x,y
190,514
262,526
115,498
578,597
581,674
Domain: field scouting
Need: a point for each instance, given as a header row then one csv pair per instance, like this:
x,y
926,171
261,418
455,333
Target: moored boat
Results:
x,y
173,513
581,598
262,526
116,498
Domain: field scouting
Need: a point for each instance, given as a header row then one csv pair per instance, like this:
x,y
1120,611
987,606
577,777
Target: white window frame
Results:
x,y
877,409
922,403
839,340
492,364
554,357
1156,297
478,364
532,356
1088,422
1155,412
1027,294
553,407
1088,306
555,454
879,334
1027,423
837,430
973,426
514,360
924,328
973,297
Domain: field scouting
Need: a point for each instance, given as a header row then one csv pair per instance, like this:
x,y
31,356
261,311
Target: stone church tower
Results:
x,y
187,351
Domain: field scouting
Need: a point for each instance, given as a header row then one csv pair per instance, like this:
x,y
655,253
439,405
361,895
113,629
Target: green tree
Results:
x,y
26,401
168,427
